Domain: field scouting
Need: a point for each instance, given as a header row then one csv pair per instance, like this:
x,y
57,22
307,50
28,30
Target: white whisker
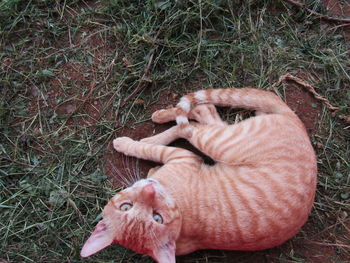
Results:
x,y
125,162
117,172
136,169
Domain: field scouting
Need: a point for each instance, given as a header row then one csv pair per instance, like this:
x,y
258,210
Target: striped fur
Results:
x,y
236,98
257,195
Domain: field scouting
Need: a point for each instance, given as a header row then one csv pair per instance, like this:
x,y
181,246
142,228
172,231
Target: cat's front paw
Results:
x,y
121,144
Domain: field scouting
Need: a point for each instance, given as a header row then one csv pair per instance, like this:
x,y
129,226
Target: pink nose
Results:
x,y
148,192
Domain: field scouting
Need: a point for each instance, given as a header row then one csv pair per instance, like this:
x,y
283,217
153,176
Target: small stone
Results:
x,y
174,96
343,215
127,63
34,91
345,118
70,108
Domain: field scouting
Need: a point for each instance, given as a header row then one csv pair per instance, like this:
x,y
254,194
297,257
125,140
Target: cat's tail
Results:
x,y
263,102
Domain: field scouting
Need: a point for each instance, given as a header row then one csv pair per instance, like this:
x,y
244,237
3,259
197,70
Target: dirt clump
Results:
x,y
339,9
304,105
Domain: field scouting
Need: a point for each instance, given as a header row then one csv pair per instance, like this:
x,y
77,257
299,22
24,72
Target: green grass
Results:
x,y
52,174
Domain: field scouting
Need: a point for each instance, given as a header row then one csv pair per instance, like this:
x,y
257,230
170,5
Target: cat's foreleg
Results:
x,y
152,152
168,136
163,138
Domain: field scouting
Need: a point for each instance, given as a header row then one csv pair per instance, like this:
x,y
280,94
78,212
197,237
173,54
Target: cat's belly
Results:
x,y
229,241
249,209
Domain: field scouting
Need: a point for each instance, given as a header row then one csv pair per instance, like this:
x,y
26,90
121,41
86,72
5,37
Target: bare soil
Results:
x,y
70,90
339,9
303,103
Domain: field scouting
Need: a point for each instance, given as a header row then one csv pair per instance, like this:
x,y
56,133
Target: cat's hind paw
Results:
x,y
206,114
186,132
163,116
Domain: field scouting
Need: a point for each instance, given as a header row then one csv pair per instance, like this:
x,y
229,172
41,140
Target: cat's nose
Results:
x,y
148,192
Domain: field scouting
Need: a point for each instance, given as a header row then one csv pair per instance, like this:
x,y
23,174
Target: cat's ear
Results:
x,y
165,254
99,239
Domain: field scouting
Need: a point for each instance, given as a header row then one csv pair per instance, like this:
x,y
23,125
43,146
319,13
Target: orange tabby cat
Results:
x,y
257,195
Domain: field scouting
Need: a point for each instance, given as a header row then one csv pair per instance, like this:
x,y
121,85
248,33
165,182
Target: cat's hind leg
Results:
x,y
206,114
246,98
203,113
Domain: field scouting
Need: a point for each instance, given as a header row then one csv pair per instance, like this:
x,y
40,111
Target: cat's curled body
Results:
x,y
256,196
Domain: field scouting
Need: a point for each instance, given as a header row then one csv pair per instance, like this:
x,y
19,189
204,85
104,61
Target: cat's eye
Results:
x,y
125,207
158,218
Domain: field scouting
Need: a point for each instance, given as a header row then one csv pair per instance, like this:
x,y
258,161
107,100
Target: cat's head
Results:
x,y
143,217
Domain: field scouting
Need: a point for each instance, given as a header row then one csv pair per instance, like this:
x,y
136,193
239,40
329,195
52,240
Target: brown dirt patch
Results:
x,y
71,93
337,7
68,97
303,104
340,9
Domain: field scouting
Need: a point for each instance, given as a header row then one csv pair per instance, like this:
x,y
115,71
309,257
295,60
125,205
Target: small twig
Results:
x,y
17,162
335,28
84,100
329,244
324,17
142,82
308,87
344,118
200,32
